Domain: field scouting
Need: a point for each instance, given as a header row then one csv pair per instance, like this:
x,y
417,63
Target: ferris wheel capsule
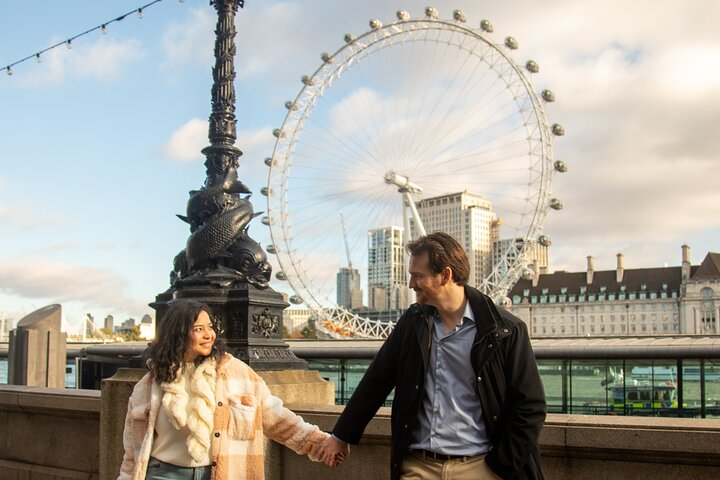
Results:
x,y
295,300
307,80
548,95
556,204
511,43
349,38
532,66
268,161
560,166
486,26
431,12
270,248
402,15
459,16
290,105
265,191
528,274
505,302
558,129
326,57
281,275
375,24
278,133
544,240
265,220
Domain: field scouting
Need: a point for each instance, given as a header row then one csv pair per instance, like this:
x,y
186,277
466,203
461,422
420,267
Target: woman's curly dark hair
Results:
x,y
165,355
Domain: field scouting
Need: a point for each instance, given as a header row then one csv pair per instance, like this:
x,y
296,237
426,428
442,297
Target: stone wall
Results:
x,y
54,434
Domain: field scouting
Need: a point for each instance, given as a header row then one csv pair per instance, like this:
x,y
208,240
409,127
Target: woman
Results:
x,y
200,413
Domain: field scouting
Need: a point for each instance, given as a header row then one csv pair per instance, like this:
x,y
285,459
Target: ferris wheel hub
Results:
x,y
402,182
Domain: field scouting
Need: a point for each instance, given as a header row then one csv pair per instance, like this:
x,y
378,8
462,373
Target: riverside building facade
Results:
x,y
657,301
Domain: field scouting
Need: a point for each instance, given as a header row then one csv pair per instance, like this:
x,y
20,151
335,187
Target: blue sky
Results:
x,y
100,143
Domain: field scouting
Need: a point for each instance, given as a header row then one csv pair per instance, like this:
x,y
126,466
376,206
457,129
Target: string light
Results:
x,y
68,43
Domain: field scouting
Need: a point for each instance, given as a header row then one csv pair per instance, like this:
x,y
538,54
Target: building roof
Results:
x,y
709,268
633,280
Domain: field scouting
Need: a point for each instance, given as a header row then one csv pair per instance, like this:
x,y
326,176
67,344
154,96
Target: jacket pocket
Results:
x,y
243,416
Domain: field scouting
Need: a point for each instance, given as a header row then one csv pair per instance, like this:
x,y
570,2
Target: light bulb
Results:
x,y
103,29
68,44
141,14
37,58
9,70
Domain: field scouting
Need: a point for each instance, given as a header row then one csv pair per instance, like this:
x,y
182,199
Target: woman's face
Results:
x,y
200,339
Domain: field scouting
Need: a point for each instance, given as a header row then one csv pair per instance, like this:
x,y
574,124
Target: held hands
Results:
x,y
335,451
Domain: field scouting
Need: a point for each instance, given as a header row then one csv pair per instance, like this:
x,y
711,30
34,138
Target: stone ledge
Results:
x,y
44,399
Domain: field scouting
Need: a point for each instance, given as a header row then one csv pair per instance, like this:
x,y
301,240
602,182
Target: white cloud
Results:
x,y
44,278
104,59
190,41
186,142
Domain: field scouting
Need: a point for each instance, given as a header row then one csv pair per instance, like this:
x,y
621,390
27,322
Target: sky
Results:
x,y
101,143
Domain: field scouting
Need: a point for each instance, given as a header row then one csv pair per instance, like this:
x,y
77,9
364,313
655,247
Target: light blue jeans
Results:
x,y
158,470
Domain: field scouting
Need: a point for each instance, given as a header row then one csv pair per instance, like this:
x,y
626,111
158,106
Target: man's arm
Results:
x,y
373,389
524,405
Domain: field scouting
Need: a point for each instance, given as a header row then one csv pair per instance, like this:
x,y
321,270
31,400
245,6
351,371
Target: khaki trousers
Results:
x,y
416,467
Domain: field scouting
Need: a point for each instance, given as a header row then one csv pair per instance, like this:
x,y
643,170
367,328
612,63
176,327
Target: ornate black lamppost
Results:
x,y
221,265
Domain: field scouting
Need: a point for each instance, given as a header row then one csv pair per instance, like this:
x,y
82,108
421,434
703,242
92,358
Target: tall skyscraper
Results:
x,y
349,293
469,219
387,285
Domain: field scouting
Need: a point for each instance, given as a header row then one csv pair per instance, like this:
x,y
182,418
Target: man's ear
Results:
x,y
447,274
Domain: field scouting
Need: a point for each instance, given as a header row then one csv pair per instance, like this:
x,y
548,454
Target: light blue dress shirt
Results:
x,y
450,417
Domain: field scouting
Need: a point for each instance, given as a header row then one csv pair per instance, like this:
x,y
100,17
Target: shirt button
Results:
x,y
214,464
479,379
405,426
417,387
505,330
494,418
219,404
217,434
490,345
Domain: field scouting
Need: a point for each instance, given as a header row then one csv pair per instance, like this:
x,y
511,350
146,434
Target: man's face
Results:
x,y
427,285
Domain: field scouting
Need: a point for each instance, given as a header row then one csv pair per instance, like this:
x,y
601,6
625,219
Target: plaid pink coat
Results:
x,y
244,411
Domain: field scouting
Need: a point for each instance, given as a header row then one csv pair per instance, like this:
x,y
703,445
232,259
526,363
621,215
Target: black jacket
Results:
x,y
508,385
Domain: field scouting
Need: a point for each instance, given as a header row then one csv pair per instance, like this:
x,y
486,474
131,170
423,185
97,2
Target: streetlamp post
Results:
x,y
221,265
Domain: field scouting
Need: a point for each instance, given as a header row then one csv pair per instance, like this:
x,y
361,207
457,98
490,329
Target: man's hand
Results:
x,y
335,451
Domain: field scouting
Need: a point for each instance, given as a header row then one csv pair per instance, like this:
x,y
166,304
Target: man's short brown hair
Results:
x,y
443,251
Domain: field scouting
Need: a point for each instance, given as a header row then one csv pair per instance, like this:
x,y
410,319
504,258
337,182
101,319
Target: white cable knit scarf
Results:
x,y
195,411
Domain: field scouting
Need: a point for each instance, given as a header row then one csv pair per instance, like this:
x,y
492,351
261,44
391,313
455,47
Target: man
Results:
x,y
469,403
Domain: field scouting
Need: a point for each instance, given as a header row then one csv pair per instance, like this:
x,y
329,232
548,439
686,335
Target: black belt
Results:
x,y
441,456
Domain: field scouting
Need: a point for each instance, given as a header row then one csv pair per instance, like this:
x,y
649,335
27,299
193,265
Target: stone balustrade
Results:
x,y
55,434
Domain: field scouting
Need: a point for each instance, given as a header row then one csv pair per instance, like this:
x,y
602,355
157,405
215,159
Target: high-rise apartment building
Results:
x,y
387,285
349,293
469,219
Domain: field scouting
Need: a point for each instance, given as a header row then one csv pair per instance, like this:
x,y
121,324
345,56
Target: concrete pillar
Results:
x,y
37,353
685,268
620,272
590,269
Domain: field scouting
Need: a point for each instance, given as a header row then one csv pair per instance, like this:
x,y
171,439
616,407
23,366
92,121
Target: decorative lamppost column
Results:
x,y
221,265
